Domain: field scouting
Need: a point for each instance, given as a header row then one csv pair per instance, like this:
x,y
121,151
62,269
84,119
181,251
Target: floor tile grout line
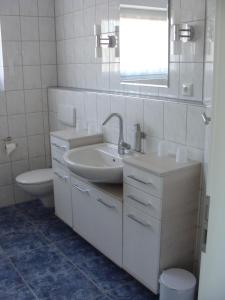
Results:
x,y
23,279
105,292
80,270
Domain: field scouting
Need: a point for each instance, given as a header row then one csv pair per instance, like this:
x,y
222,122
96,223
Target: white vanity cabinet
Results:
x,y
97,217
159,216
61,141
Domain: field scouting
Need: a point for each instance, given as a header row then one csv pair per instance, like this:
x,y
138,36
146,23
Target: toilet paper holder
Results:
x,y
8,140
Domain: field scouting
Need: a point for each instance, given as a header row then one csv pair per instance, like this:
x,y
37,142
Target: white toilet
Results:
x,y
38,183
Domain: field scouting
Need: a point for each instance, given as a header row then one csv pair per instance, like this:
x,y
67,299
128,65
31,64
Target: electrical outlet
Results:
x,y
187,89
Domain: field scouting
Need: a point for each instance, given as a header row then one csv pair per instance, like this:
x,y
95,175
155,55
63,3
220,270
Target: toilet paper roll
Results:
x,y
10,148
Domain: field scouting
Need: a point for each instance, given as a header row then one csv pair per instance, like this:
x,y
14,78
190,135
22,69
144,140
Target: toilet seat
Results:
x,y
35,177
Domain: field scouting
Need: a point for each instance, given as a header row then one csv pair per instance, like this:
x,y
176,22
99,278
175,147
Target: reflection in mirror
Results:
x,y
144,42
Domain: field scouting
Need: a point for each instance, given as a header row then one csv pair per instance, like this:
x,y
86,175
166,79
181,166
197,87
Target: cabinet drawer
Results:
x,y
141,246
143,180
143,201
59,144
57,157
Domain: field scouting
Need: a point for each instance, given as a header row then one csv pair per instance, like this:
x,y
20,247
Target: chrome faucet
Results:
x,y
122,146
139,136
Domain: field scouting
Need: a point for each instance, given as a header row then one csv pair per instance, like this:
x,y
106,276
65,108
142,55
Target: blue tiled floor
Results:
x,y
42,258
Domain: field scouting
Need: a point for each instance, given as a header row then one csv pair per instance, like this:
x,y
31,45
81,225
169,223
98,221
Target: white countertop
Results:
x,y
71,134
160,166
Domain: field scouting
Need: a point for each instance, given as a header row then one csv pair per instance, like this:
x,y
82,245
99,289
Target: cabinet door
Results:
x,y
98,218
62,196
141,247
109,225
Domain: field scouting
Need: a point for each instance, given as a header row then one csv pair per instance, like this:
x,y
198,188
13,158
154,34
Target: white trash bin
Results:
x,y
177,284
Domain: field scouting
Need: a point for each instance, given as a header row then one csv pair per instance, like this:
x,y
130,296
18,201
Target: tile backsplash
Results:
x,y
176,123
27,69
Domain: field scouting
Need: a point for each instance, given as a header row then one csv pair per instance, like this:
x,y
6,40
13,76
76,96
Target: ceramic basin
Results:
x,y
96,163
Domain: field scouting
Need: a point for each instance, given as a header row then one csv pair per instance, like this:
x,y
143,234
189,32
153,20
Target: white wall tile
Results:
x,y
15,102
68,6
9,7
29,28
193,51
5,174
208,83
17,126
48,76
36,145
175,122
13,78
103,108
32,77
59,7
3,127
117,105
28,7
89,21
48,53
12,54
47,29
38,163
91,107
33,101
192,10
195,127
10,26
31,53
102,16
69,26
134,111
35,123
2,104
210,32
192,73
77,4
153,118
21,152
19,167
46,8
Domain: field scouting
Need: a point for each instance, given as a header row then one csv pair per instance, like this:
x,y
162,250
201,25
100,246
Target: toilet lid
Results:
x,y
35,177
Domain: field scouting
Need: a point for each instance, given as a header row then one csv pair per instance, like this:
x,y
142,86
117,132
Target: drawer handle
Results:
x,y
139,201
80,189
138,180
137,220
106,204
57,160
65,178
59,147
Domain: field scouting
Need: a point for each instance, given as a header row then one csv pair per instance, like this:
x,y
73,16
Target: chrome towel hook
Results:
x,y
206,119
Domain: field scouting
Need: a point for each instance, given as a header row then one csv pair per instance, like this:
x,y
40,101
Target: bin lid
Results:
x,y
178,279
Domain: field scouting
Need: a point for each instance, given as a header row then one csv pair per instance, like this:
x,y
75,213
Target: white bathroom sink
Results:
x,y
97,163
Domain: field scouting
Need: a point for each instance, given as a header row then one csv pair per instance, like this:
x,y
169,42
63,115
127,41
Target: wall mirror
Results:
x,y
144,42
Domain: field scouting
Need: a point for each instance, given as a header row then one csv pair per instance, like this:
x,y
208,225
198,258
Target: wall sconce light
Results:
x,y
103,40
183,32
